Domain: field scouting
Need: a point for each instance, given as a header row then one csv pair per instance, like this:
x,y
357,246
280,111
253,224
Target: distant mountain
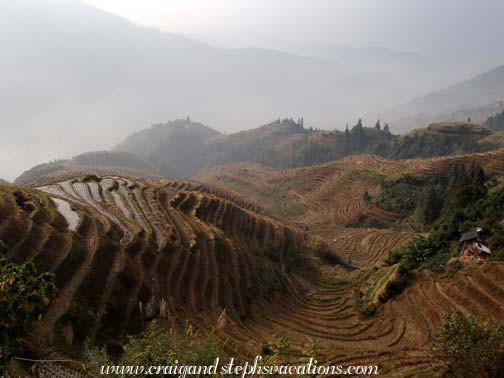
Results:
x,y
477,98
88,78
100,162
374,57
3,182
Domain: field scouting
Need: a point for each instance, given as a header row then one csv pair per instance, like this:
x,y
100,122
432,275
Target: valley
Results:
x,y
254,252
192,185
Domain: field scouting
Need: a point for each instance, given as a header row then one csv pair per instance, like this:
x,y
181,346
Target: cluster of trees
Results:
x,y
496,122
447,206
424,199
426,144
318,146
361,138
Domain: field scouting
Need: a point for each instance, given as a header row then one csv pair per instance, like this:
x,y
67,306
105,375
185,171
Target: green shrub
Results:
x,y
24,296
471,348
160,346
414,253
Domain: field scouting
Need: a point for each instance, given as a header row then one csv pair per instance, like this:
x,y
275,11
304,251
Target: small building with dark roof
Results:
x,y
476,234
473,243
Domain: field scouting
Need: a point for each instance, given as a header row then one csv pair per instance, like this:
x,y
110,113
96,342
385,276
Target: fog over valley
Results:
x,y
80,76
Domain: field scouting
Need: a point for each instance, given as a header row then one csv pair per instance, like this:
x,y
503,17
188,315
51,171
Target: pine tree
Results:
x,y
357,135
378,125
430,206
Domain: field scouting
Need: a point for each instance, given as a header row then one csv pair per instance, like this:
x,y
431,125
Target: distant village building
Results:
x,y
474,243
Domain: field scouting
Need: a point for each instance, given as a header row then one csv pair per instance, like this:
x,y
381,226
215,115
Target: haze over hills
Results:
x,y
183,148
478,98
178,147
71,72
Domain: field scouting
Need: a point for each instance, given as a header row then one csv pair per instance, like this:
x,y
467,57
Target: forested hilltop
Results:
x,y
183,148
289,143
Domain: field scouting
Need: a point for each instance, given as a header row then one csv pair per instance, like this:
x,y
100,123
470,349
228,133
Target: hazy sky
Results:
x,y
433,27
68,72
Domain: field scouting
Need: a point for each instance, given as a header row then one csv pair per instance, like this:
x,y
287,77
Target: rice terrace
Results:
x,y
362,237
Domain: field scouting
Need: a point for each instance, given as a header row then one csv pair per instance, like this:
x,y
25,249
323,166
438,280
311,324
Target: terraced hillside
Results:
x,y
324,198
125,249
333,193
491,161
397,337
182,251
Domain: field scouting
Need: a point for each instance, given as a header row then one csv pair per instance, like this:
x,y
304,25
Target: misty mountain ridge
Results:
x,y
477,98
183,148
75,72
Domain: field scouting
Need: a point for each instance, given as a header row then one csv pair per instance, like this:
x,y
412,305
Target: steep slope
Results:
x,y
478,98
116,244
143,250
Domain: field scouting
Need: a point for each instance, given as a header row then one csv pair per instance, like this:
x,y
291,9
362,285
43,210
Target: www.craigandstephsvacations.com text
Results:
x,y
232,368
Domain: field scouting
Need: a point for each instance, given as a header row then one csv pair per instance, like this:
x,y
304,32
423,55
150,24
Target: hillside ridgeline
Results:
x,y
182,149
